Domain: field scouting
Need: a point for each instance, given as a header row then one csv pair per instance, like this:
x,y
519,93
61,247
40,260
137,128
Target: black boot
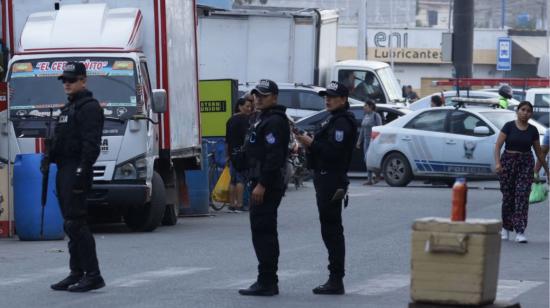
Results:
x,y
90,281
64,284
260,289
334,286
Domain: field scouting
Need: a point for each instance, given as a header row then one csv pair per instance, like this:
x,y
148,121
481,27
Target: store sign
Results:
x,y
504,54
423,45
405,55
394,46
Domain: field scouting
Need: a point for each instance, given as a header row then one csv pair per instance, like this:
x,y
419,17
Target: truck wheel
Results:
x,y
170,215
149,217
397,170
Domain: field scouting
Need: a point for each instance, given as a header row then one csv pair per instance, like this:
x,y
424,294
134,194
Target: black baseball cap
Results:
x,y
73,70
335,89
266,87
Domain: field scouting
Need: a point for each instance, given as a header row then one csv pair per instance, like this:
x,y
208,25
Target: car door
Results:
x,y
465,154
541,111
357,159
422,139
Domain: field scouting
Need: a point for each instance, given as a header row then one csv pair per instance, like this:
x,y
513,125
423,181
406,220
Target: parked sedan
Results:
x,y
300,100
441,143
388,113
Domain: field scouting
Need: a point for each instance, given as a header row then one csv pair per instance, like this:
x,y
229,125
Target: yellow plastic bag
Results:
x,y
221,190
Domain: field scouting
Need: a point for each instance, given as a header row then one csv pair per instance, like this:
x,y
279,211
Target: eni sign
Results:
x,y
394,46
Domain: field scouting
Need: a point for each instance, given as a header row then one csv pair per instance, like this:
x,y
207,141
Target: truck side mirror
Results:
x,y
159,101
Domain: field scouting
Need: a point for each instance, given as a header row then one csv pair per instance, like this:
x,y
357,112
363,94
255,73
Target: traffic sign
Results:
x,y
504,54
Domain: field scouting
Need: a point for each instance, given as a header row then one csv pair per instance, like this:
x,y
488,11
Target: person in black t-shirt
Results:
x,y
236,129
515,170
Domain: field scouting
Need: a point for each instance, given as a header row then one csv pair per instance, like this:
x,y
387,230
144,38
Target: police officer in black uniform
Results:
x,y
75,148
266,152
330,153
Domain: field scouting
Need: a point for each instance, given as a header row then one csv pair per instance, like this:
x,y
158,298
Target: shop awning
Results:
x,y
528,49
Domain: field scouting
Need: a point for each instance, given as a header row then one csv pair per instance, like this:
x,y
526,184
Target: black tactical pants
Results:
x,y
330,215
263,222
83,257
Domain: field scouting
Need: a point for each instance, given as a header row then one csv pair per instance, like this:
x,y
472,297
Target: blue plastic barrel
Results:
x,y
27,193
198,191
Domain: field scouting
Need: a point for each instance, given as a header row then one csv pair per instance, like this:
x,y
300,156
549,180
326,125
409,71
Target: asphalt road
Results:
x,y
203,261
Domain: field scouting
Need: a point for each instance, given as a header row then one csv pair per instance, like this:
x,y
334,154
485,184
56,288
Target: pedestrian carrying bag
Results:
x,y
538,192
221,190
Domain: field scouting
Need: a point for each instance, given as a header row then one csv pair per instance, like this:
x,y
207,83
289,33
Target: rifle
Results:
x,y
45,168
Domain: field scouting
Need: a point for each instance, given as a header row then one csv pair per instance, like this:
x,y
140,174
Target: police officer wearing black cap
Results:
x,y
330,153
266,152
75,148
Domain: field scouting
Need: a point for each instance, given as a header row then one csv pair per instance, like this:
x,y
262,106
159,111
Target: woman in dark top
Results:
x,y
515,170
236,129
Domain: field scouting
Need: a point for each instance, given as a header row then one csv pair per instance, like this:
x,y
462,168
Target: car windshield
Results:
x,y
501,118
390,84
34,88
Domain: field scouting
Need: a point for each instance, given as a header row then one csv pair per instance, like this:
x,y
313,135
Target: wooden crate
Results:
x,y
455,262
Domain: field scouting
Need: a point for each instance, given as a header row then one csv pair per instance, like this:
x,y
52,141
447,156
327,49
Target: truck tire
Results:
x,y
171,213
397,170
149,217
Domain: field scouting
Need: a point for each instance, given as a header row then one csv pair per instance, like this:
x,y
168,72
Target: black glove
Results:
x,y
81,180
45,165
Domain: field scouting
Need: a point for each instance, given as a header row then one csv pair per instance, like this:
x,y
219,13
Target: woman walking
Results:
x,y
515,169
236,129
371,119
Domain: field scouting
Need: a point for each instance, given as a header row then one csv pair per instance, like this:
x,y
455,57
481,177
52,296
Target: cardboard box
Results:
x,y
455,262
6,204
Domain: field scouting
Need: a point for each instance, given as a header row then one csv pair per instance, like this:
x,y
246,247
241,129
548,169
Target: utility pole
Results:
x,y
503,15
362,31
463,37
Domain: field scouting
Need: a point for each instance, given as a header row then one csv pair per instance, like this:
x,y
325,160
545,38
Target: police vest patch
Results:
x,y
63,119
339,135
270,138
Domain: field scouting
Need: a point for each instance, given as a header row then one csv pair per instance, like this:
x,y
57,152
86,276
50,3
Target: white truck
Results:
x,y
287,46
131,48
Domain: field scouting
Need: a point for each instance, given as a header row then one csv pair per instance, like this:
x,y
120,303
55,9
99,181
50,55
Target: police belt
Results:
x,y
329,172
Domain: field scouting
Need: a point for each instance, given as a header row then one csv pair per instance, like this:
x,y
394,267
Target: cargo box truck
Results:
x,y
141,63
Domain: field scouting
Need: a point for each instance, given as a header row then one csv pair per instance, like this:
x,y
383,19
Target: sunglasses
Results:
x,y
70,80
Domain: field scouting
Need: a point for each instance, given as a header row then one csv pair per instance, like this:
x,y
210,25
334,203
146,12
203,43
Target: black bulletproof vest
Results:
x,y
326,132
67,138
254,146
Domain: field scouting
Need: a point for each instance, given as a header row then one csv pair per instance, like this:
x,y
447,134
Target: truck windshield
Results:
x,y
390,84
34,88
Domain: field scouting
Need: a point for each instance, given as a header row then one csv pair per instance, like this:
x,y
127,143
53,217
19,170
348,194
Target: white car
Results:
x,y
439,143
540,98
425,102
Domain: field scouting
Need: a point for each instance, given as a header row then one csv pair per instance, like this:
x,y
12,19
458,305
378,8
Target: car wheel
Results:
x,y
397,170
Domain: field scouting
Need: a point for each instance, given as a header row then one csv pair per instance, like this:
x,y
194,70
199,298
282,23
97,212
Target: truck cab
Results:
x,y
368,80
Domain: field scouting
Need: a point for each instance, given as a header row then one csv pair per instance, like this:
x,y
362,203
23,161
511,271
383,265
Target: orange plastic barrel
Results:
x,y
460,193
